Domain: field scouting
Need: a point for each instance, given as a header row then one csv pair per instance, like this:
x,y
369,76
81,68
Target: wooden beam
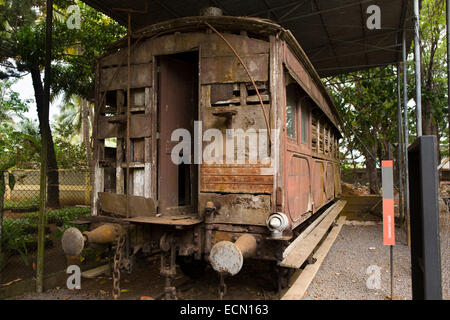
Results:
x,y
298,289
299,251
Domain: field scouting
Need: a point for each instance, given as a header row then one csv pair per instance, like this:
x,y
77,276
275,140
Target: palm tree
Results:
x,y
75,113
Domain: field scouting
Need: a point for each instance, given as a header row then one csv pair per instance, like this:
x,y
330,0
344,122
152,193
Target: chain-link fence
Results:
x,y
18,254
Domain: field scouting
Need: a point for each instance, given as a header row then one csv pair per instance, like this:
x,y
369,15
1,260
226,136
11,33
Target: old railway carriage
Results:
x,y
208,72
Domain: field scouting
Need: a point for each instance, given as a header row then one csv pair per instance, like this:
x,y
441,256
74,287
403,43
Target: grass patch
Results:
x,y
31,202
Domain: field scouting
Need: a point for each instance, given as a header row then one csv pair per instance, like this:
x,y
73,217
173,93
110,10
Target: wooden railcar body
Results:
x,y
181,72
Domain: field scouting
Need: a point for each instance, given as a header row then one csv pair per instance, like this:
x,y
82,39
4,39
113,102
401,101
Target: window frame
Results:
x,y
295,112
305,109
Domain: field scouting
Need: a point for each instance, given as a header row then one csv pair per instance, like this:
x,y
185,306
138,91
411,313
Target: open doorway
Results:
x,y
177,109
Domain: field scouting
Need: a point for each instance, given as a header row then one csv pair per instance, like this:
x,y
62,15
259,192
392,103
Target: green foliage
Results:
x,y
29,202
367,102
434,72
15,238
25,145
74,50
60,216
19,235
11,106
10,102
70,155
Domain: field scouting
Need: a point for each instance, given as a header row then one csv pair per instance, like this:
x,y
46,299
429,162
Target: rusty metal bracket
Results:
x,y
227,114
167,242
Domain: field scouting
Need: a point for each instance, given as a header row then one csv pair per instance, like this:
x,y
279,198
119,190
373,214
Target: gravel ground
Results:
x,y
344,272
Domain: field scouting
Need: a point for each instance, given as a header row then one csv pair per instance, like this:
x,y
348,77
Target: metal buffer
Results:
x,y
73,243
227,258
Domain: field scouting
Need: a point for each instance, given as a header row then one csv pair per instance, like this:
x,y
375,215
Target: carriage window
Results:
x,y
291,110
305,124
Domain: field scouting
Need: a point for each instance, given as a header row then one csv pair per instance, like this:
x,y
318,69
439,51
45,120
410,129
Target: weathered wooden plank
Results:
x,y
219,179
277,87
93,273
301,250
141,127
228,69
141,76
116,203
148,147
173,220
138,150
221,92
215,171
243,209
99,173
137,175
167,44
298,289
236,188
108,129
213,46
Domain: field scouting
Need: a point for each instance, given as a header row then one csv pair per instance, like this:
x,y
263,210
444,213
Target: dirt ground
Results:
x,y
16,269
146,281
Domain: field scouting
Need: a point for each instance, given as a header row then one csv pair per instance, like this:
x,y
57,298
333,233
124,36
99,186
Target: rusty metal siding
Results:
x,y
298,187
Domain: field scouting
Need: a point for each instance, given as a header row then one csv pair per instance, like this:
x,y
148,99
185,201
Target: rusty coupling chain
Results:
x,y
118,256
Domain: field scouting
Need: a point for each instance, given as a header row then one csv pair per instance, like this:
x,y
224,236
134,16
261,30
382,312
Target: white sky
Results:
x,y
24,86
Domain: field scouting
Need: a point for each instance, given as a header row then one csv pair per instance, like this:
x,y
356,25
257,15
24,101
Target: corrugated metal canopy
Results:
x,y
333,33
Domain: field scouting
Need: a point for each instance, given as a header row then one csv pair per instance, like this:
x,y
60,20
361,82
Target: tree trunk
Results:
x,y
371,167
427,119
44,125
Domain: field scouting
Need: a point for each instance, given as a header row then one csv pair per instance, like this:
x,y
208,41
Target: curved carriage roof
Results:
x,y
253,26
333,33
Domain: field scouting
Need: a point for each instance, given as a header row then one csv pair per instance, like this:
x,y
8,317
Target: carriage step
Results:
x,y
298,288
301,248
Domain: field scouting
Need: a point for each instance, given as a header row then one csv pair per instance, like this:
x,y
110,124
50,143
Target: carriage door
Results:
x,y
177,109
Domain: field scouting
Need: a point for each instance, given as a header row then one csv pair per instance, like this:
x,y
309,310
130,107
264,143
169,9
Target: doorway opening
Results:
x,y
177,109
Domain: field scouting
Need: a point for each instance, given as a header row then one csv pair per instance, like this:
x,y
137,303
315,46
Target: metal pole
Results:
x,y
128,142
406,137
400,147
391,247
45,136
417,68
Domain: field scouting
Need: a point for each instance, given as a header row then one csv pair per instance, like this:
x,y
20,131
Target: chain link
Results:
x,y
117,265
